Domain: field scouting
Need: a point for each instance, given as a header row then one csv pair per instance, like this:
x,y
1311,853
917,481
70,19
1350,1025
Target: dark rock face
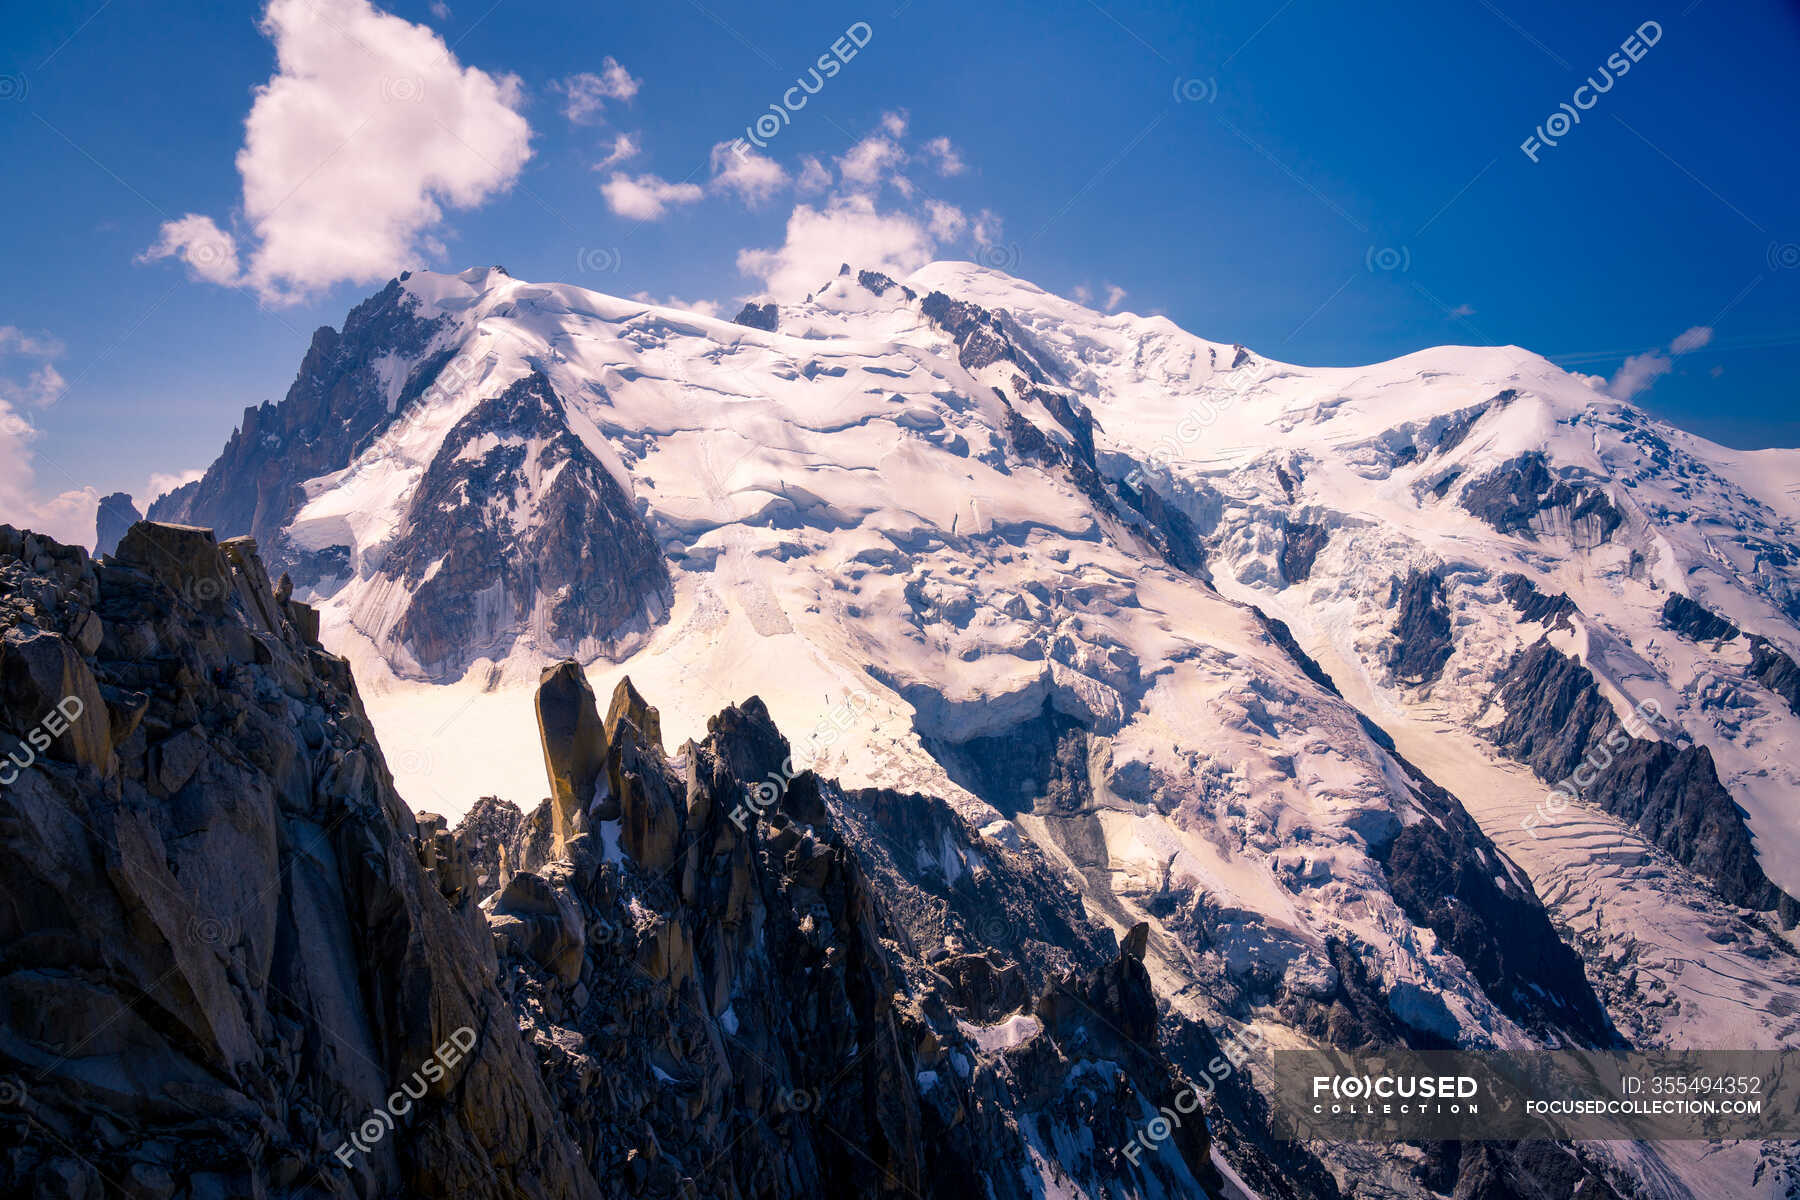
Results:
x,y
1695,621
1515,497
222,953
1552,611
477,568
1773,669
116,514
1422,642
759,316
1447,876
1008,770
216,884
576,567
335,406
1301,548
874,281
1559,723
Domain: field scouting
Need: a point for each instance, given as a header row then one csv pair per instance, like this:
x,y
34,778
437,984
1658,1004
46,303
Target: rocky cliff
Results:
x,y
236,964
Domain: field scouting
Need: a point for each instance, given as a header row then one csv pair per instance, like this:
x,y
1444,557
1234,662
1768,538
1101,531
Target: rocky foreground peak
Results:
x,y
237,965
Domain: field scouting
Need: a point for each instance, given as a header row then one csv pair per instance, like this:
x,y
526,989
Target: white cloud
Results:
x,y
753,177
815,176
1463,310
162,483
69,516
849,229
947,221
1691,339
945,156
14,340
988,228
625,147
850,225
706,308
585,95
1084,294
369,128
646,197
1115,296
210,253
440,10
1638,372
870,161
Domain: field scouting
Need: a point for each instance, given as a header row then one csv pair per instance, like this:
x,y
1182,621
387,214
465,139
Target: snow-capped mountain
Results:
x,y
1287,663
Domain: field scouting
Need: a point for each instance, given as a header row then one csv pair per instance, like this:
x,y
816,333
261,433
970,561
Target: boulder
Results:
x,y
184,558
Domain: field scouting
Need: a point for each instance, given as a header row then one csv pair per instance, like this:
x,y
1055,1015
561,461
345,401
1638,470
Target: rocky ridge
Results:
x,y
228,941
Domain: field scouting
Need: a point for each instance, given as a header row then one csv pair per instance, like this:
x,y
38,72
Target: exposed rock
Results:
x,y
1521,495
224,955
1694,620
1557,721
759,316
1302,546
1772,668
1422,630
479,573
574,743
278,951
1552,612
115,515
627,705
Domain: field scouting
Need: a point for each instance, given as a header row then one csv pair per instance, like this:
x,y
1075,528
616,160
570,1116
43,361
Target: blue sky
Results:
x,y
1327,184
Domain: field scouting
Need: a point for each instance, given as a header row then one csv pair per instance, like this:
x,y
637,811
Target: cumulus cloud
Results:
x,y
815,176
753,177
210,253
848,229
368,130
1638,372
646,197
946,221
163,482
944,156
585,95
1691,340
853,224
872,160
625,147
29,380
